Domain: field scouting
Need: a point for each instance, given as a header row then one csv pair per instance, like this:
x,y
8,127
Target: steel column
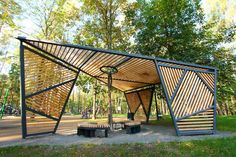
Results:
x,y
167,99
22,89
215,94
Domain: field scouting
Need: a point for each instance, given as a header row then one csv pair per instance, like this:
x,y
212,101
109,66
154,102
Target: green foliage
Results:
x,y
103,25
14,85
53,18
8,8
177,30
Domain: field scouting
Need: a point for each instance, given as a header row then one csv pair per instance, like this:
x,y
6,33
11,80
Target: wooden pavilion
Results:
x,y
49,71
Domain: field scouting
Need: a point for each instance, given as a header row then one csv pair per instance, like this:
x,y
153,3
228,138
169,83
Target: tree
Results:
x,y
9,8
103,24
222,33
177,30
168,29
53,18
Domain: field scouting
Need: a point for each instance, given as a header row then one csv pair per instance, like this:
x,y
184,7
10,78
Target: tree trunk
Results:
x,y
95,100
109,101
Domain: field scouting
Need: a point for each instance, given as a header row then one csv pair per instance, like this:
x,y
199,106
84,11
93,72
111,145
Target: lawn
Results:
x,y
209,147
223,123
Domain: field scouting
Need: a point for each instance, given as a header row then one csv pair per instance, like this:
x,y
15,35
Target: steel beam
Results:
x,y
51,55
47,89
215,94
167,99
43,56
40,113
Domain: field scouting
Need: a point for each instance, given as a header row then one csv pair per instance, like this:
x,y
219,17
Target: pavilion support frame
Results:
x,y
195,118
201,81
24,96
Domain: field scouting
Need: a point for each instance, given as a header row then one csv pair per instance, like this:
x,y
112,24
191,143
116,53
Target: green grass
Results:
x,y
209,147
226,123
223,123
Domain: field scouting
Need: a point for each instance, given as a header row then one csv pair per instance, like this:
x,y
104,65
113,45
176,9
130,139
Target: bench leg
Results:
x,y
106,132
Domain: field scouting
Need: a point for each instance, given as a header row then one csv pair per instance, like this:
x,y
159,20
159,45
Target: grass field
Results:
x,y
224,147
209,147
223,123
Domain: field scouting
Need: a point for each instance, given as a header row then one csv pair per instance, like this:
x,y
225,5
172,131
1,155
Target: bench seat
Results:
x,y
89,130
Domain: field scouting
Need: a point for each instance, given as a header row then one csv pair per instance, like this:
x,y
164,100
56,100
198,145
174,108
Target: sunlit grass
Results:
x,y
209,147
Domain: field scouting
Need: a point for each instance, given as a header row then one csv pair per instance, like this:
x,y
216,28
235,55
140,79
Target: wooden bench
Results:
x,y
119,124
133,127
88,130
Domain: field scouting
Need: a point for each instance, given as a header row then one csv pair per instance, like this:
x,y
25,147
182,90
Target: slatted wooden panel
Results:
x,y
194,94
99,60
124,85
199,122
38,124
171,82
140,100
139,70
47,86
208,78
133,101
146,96
41,73
50,102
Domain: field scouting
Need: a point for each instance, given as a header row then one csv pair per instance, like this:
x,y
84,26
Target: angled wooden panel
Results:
x,y
171,78
41,73
140,114
50,102
146,98
208,79
192,96
47,88
133,101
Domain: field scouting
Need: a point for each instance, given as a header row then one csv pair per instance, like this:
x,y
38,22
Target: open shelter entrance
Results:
x,y
49,71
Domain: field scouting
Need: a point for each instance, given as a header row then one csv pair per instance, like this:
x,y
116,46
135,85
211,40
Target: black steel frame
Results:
x,y
157,61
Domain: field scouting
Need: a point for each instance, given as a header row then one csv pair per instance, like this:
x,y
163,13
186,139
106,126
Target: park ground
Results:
x,y
196,146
